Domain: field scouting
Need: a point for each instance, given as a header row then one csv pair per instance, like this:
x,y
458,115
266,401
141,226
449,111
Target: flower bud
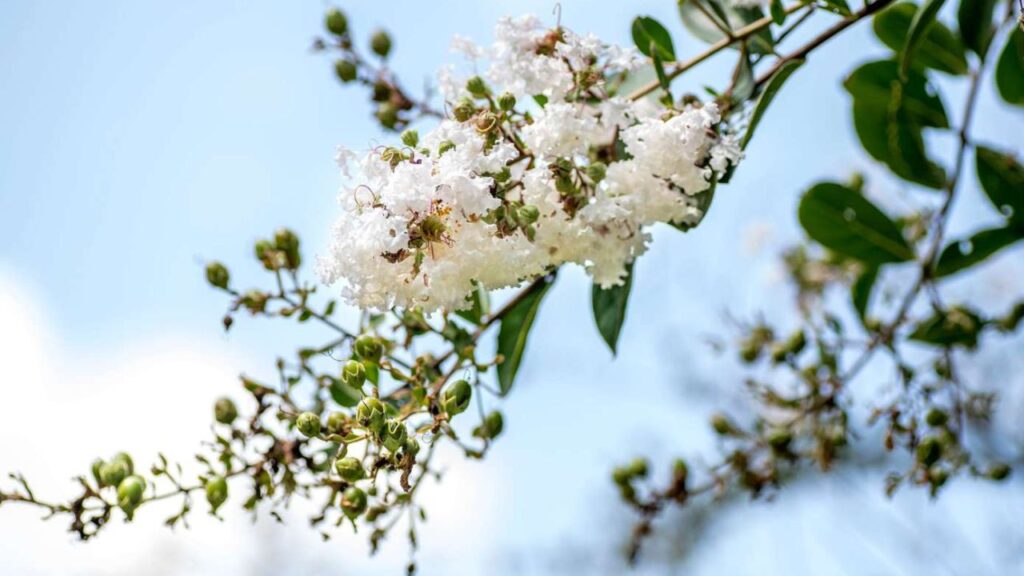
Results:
x,y
637,468
929,451
999,472
97,466
287,242
410,138
129,493
620,475
336,422
596,171
381,91
527,214
350,469
456,397
124,458
262,249
722,425
336,22
445,146
491,427
387,115
353,502
507,101
680,471
936,417
464,110
216,492
411,446
476,86
217,275
393,435
224,411
112,473
345,70
370,414
308,424
353,373
369,348
380,43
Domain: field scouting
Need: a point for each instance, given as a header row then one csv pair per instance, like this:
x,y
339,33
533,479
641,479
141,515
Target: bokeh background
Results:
x,y
140,139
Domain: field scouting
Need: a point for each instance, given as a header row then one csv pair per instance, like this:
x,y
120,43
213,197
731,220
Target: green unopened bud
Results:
x,y
216,492
722,425
112,473
620,475
936,417
491,427
476,86
597,171
353,502
369,348
350,469
217,275
929,451
224,411
370,414
999,472
381,91
456,397
336,22
680,470
410,138
126,460
387,115
527,214
638,468
308,424
287,242
353,374
263,249
393,435
380,43
345,70
336,422
411,446
464,110
255,301
507,101
97,466
129,493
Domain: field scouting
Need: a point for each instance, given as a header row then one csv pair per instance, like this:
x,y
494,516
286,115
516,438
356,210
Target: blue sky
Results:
x,y
139,139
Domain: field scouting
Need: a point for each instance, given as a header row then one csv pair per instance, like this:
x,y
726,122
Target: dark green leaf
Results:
x,y
961,254
695,19
745,84
652,39
344,394
515,327
957,326
860,292
659,71
934,46
778,12
837,6
1002,178
923,21
1010,69
845,222
878,84
770,90
974,18
609,306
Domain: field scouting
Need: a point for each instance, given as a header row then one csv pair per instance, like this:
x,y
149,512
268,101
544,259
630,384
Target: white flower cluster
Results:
x,y
499,193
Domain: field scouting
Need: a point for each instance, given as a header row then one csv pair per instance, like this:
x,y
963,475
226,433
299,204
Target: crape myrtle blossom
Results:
x,y
538,164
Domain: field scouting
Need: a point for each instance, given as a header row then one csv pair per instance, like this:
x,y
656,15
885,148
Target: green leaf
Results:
x,y
1010,69
956,326
652,39
932,44
609,306
703,199
860,292
778,12
695,19
879,85
837,7
974,18
481,305
961,254
344,394
845,222
745,82
771,88
1002,178
515,327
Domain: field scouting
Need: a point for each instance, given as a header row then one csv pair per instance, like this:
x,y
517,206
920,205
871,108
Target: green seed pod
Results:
x,y
369,348
936,417
393,435
129,493
456,397
527,214
410,138
336,422
308,424
387,115
464,110
353,502
126,459
491,427
380,43
620,475
97,466
216,492
637,468
336,22
370,414
596,171
345,70
350,469
476,86
114,472
288,243
224,411
680,471
507,101
722,425
217,275
263,250
353,373
999,472
929,451
411,446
